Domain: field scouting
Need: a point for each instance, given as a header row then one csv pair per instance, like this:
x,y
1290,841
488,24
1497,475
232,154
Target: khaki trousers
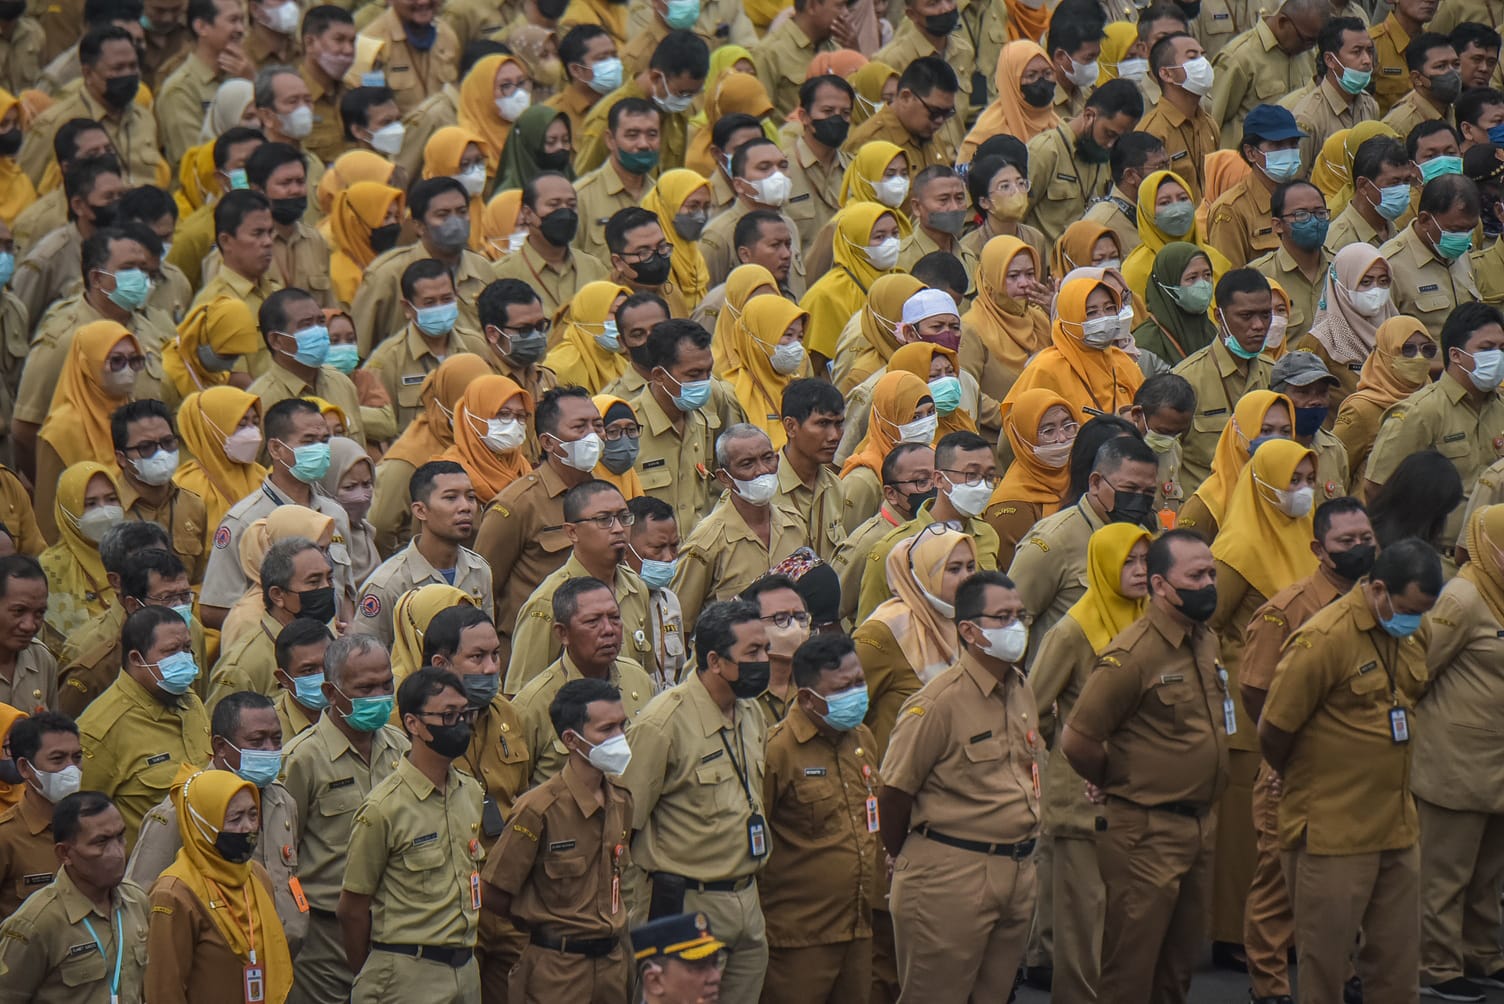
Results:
x,y
388,977
1080,902
884,957
1156,870
1268,926
1334,896
840,973
736,919
961,921
1041,948
320,974
542,976
1461,867
1237,848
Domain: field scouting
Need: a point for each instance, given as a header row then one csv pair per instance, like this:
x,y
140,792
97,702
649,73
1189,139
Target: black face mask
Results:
x,y
10,143
384,238
1198,604
552,10
559,227
942,24
1131,507
1192,10
9,772
1039,94
317,604
11,10
286,211
654,271
639,355
1092,152
104,215
1355,562
236,848
1445,87
121,91
752,679
449,741
831,131
917,499
556,161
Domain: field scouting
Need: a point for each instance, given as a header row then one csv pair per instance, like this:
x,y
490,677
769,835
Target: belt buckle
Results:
x,y
1019,852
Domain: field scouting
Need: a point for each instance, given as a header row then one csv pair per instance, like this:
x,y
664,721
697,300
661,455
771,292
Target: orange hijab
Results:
x,y
477,111
1106,379
78,424
499,222
733,93
1009,330
1027,23
489,471
1380,382
1009,113
895,397
918,358
10,794
1028,478
432,432
350,167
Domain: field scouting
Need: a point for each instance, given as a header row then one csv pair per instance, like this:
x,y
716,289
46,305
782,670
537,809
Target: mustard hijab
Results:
x,y
1010,331
77,585
432,432
77,425
858,183
1231,454
477,107
489,471
411,615
1140,261
1103,611
577,358
758,386
688,272
205,420
1257,539
841,292
741,286
225,326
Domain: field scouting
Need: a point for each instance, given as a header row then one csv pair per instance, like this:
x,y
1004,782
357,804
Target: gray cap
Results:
x,y
1299,369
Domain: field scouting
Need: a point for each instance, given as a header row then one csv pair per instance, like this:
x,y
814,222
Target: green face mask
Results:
x,y
367,714
1193,299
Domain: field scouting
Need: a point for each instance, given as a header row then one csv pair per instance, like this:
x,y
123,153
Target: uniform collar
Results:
x,y
737,528
980,676
1265,35
419,783
1172,115
551,481
282,378
76,906
657,420
1454,389
1362,613
146,701
1334,96
37,820
1417,250
583,796
1171,630
705,708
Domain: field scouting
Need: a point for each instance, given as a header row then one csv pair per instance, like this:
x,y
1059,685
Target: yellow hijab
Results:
x,y
880,317
688,272
1482,569
10,794
205,420
1256,539
917,358
441,158
432,432
741,284
224,324
16,189
841,292
1231,455
1103,611
1105,379
247,914
489,471
758,386
1118,38
1010,331
1073,249
197,184
411,615
281,523
1333,170
915,567
350,167
868,82
77,585
358,210
731,93
895,398
77,425
499,222
628,481
1379,382
865,171
576,357
477,111
1140,261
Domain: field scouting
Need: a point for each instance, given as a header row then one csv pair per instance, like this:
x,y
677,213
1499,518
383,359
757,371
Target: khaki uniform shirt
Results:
x,y
909,44
377,309
327,141
416,851
522,538
1391,75
300,259
966,748
1326,111
1172,748
821,508
184,98
276,851
1171,492
39,219
534,645
1118,213
822,885
408,570
1488,272
590,145
133,134
815,189
47,956
292,716
1188,140
601,194
850,559
224,579
26,855
1049,566
1425,286
134,744
248,663
1303,290
33,682
1452,13
1346,784
433,113
51,270
554,285
669,637
1333,474
1220,381
473,20
675,466
723,555
1440,416
921,242
1239,223
328,780
1253,70
1061,667
875,587
891,678
531,703
90,661
575,106
403,361
279,383
498,758
782,59
1410,111
1061,187
184,517
718,245
561,858
696,779
1349,227
20,52
938,149
411,74
1219,23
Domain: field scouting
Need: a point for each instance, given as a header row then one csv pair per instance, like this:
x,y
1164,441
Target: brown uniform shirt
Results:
x,y
554,285
1274,622
522,537
26,856
189,959
938,149
1060,186
47,956
412,74
1061,667
33,682
1156,701
891,679
531,705
1391,75
675,465
1188,141
1426,287
1239,224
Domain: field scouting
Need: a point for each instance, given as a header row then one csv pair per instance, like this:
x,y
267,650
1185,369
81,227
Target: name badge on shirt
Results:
x,y
561,845
1061,176
800,198
712,756
1399,725
1455,437
1182,155
74,951
808,772
757,836
43,878
152,761
1429,287
425,839
373,78
980,736
653,463
416,378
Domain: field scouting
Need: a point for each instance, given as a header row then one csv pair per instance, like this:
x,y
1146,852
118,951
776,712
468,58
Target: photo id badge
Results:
x,y
872,814
1229,716
255,983
475,890
1399,725
757,836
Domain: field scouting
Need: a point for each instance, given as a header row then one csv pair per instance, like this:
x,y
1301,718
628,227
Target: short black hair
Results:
x,y
1120,450
140,630
95,251
25,737
1408,561
421,484
728,125
1118,97
1420,48
80,177
546,417
1169,391
323,17
807,395
1428,128
1471,33
663,345
715,631
1282,192
645,298
65,141
267,158
145,204
578,497
809,91
421,271
1329,510
943,271
356,104
926,75
67,815
530,187
299,632
231,138
960,441
478,49
19,566
1329,39
890,461
273,314
234,206
1161,550
1163,51
443,634
1093,433
575,43
623,222
647,509
91,46
566,602
1375,154
1465,319
969,593
135,577
425,190
134,411
225,721
1069,34
122,541
1131,152
1240,280
768,583
1469,107
420,685
1010,148
741,153
680,53
749,228
819,653
498,297
935,172
277,422
629,106
569,711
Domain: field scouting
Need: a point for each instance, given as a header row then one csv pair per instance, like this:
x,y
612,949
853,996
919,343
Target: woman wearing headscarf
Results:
x,y
911,638
87,505
1081,364
211,340
1333,170
351,481
488,445
1003,330
197,184
903,411
460,154
871,337
1164,207
875,85
411,615
1117,591
479,109
866,246
233,105
954,393
212,912
619,453
16,189
99,375
1354,301
841,63
1179,297
282,523
689,276
1015,111
501,235
538,48
1084,244
734,93
365,221
351,167
588,352
1397,368
743,284
1276,343
541,140
1041,427
879,173
1258,415
10,794
770,352
221,432
1124,55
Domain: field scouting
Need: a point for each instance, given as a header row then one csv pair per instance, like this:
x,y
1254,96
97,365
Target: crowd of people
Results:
x,y
841,501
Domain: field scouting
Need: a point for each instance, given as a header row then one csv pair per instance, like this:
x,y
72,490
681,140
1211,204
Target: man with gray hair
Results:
x,y
745,534
329,770
296,581
284,107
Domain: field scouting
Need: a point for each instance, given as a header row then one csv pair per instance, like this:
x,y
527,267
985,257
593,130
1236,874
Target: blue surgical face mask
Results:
x,y
313,345
438,319
310,462
175,673
657,574
260,767
609,339
1397,624
185,611
238,179
1308,234
1282,165
132,288
7,267
847,709
1437,166
343,358
692,395
946,392
1496,134
309,691
1393,201
682,14
1452,245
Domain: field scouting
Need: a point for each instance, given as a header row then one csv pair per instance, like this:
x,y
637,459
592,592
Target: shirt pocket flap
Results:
x,y
1171,694
1267,87
85,970
566,866
714,774
410,395
658,477
339,801
426,858
984,751
1369,682
553,540
1432,300
814,789
1211,422
317,281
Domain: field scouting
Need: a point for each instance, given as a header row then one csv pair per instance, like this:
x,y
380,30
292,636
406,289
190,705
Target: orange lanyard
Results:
x,y
250,917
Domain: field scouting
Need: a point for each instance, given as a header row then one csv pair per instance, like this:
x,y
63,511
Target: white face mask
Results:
x,y
513,105
611,756
788,357
1054,455
158,468
583,454
474,179
1006,643
892,191
1083,74
503,435
95,523
244,445
1295,503
1369,302
883,256
772,190
388,139
1199,76
1099,332
1133,69
283,18
921,430
759,491
515,241
970,500
58,785
1276,334
297,123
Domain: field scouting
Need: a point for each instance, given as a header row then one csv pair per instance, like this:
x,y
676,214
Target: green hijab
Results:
x,y
1169,325
519,158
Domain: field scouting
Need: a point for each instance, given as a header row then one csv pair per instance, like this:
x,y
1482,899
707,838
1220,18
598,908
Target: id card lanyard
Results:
x,y
254,974
119,953
757,827
1399,720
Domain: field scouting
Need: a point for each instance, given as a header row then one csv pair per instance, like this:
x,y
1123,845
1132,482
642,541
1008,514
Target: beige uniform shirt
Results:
x,y
723,555
1118,213
33,681
328,780
1349,227
403,362
532,701
248,663
382,48
1410,111
670,640
1061,667
1303,289
555,285
875,585
1220,381
938,149
696,779
48,956
1188,141
133,134
327,141
1219,23
50,271
921,242
1060,187
676,466
815,189
278,384
408,570
522,538
20,54
1324,112
377,309
184,517
300,259
718,245
1239,223
782,59
822,507
185,96
1391,74
850,559
1253,70
1049,566
1425,286
601,195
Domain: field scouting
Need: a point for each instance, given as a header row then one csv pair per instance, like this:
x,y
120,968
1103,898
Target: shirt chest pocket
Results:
x,y
1270,85
410,391
717,786
656,479
84,969
156,773
1178,700
429,867
1216,19
1210,423
568,876
1370,687
1457,447
553,540
1431,300
185,543
339,801
819,806
1063,187
985,756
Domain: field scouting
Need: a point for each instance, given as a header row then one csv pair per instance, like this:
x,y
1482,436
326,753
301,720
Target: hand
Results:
x,y
1094,794
233,62
341,628
844,31
1041,294
1276,785
888,858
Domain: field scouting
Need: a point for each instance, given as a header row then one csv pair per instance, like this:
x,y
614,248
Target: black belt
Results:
x,y
1191,810
325,914
1017,851
591,948
720,885
455,958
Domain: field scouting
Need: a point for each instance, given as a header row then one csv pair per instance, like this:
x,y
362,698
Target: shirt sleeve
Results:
x,y
918,741
1301,680
169,945
645,772
1265,638
366,857
1112,692
511,860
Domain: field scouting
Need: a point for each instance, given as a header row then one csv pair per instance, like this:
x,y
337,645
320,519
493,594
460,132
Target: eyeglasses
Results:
x,y
784,618
508,415
541,328
117,363
923,483
1020,187
968,477
630,431
1427,349
642,257
149,448
937,115
1009,617
606,521
183,599
1305,215
447,718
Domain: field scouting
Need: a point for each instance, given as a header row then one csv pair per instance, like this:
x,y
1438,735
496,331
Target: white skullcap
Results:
x,y
927,303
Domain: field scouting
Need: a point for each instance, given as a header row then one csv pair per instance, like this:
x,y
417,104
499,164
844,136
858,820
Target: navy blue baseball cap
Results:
x,y
1272,123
